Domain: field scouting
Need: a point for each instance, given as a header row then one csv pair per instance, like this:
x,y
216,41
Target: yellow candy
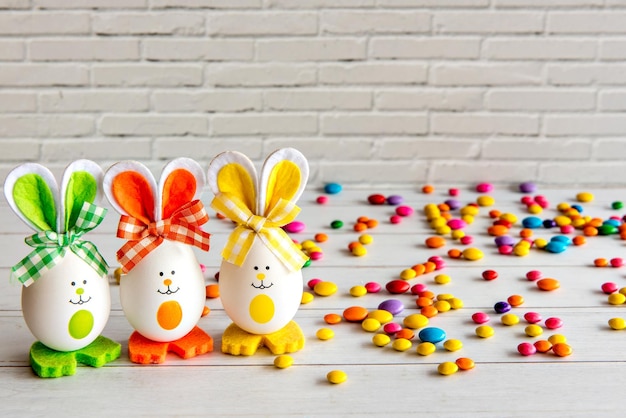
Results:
x,y
469,210
443,230
366,239
307,297
308,244
535,209
325,288
445,296
438,222
337,376
520,250
485,201
457,234
510,319
509,217
426,349
325,334
469,219
453,345
381,316
442,279
456,303
533,330
472,254
562,220
283,361
447,368
370,325
617,323
563,206
584,197
484,331
408,274
381,340
415,321
358,291
541,243
617,298
401,344
359,251
442,306
557,338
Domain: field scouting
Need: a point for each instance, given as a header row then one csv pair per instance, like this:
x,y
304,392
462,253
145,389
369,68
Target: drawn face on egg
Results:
x,y
262,295
164,294
68,306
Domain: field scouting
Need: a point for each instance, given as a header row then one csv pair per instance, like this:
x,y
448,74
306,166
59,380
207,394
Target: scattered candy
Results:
x,y
401,344
283,361
548,284
617,323
562,349
447,368
332,318
324,288
336,376
465,363
426,348
294,227
325,334
480,318
394,306
372,287
355,314
381,340
453,345
485,331
332,188
432,335
526,349
490,275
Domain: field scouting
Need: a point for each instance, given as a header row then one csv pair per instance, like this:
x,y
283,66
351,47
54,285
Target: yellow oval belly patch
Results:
x,y
262,309
169,314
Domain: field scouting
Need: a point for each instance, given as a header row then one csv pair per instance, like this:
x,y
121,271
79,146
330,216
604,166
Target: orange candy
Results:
x,y
579,240
494,214
515,300
497,230
371,223
548,284
601,262
205,311
428,189
465,363
543,346
405,333
455,253
321,237
590,231
429,267
526,233
423,301
419,269
429,311
562,349
435,242
213,291
332,318
360,226
355,314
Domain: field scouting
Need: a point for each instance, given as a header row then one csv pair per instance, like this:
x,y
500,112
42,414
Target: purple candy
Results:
x,y
453,204
393,306
504,240
528,187
394,200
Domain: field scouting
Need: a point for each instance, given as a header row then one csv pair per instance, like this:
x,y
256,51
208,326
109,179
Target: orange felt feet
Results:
x,y
144,351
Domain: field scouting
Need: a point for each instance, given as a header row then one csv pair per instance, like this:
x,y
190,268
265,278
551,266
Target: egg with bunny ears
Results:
x,y
162,291
260,276
67,306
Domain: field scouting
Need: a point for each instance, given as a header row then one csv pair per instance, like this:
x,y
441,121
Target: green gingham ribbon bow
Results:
x,y
50,247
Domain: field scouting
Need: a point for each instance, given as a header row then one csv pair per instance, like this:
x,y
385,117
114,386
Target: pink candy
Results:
x,y
480,317
609,287
534,275
322,200
532,317
392,327
395,219
294,227
404,210
372,287
316,255
456,224
484,187
311,283
526,349
554,323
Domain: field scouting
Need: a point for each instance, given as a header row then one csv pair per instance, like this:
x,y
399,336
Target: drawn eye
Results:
x,y
173,272
161,273
73,283
267,267
84,281
256,267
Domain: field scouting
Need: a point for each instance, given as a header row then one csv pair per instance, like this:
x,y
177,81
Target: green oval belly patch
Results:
x,y
80,324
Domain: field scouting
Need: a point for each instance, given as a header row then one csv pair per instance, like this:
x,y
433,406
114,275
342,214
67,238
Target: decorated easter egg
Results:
x,y
164,294
68,306
262,295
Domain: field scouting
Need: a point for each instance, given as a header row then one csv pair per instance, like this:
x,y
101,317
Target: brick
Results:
x,y
588,22
37,23
535,149
14,4
488,22
337,99
19,150
540,99
612,100
204,149
613,50
484,124
96,149
463,172
140,125
425,48
540,49
609,149
90,4
585,124
173,23
433,3
374,123
363,173
93,101
378,21
328,149
84,49
17,101
207,4
319,49
198,50
373,73
264,124
261,75
41,75
207,101
429,99
541,4
597,174
491,74
11,50
140,75
262,23
586,74
318,4
431,148
42,126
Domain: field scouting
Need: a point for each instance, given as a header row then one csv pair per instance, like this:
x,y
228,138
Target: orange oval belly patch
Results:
x,y
169,315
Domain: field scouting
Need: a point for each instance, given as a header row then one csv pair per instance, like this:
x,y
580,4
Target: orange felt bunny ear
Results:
x,y
182,181
129,187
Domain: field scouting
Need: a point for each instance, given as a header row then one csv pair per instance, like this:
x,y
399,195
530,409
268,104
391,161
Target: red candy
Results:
x,y
395,219
397,286
617,262
490,275
609,287
376,199
322,200
534,275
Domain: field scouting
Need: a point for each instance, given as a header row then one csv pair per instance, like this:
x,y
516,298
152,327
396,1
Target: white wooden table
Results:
x,y
381,381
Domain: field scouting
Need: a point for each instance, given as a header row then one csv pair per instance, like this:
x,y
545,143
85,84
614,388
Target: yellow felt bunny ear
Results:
x,y
284,176
233,173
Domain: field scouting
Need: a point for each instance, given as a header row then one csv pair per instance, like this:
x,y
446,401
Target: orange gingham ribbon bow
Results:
x,y
183,226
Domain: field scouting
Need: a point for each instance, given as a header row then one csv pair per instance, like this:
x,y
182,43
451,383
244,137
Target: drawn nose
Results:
x,y
260,276
80,291
167,282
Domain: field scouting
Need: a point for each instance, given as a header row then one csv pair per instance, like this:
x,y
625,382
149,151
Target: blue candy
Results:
x,y
532,222
556,247
332,188
432,335
562,239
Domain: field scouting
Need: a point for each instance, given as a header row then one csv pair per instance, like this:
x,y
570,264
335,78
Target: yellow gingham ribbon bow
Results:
x,y
267,229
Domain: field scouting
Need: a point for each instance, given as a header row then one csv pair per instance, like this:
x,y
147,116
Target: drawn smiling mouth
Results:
x,y
80,300
168,291
262,285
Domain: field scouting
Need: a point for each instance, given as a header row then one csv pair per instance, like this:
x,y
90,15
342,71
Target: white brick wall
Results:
x,y
372,91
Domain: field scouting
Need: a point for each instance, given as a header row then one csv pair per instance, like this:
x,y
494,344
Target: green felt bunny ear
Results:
x,y
81,183
35,201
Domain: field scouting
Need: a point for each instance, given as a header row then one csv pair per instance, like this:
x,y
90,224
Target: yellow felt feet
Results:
x,y
237,342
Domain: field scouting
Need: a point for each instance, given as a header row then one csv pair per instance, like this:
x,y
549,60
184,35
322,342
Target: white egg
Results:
x,y
262,295
68,306
164,294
